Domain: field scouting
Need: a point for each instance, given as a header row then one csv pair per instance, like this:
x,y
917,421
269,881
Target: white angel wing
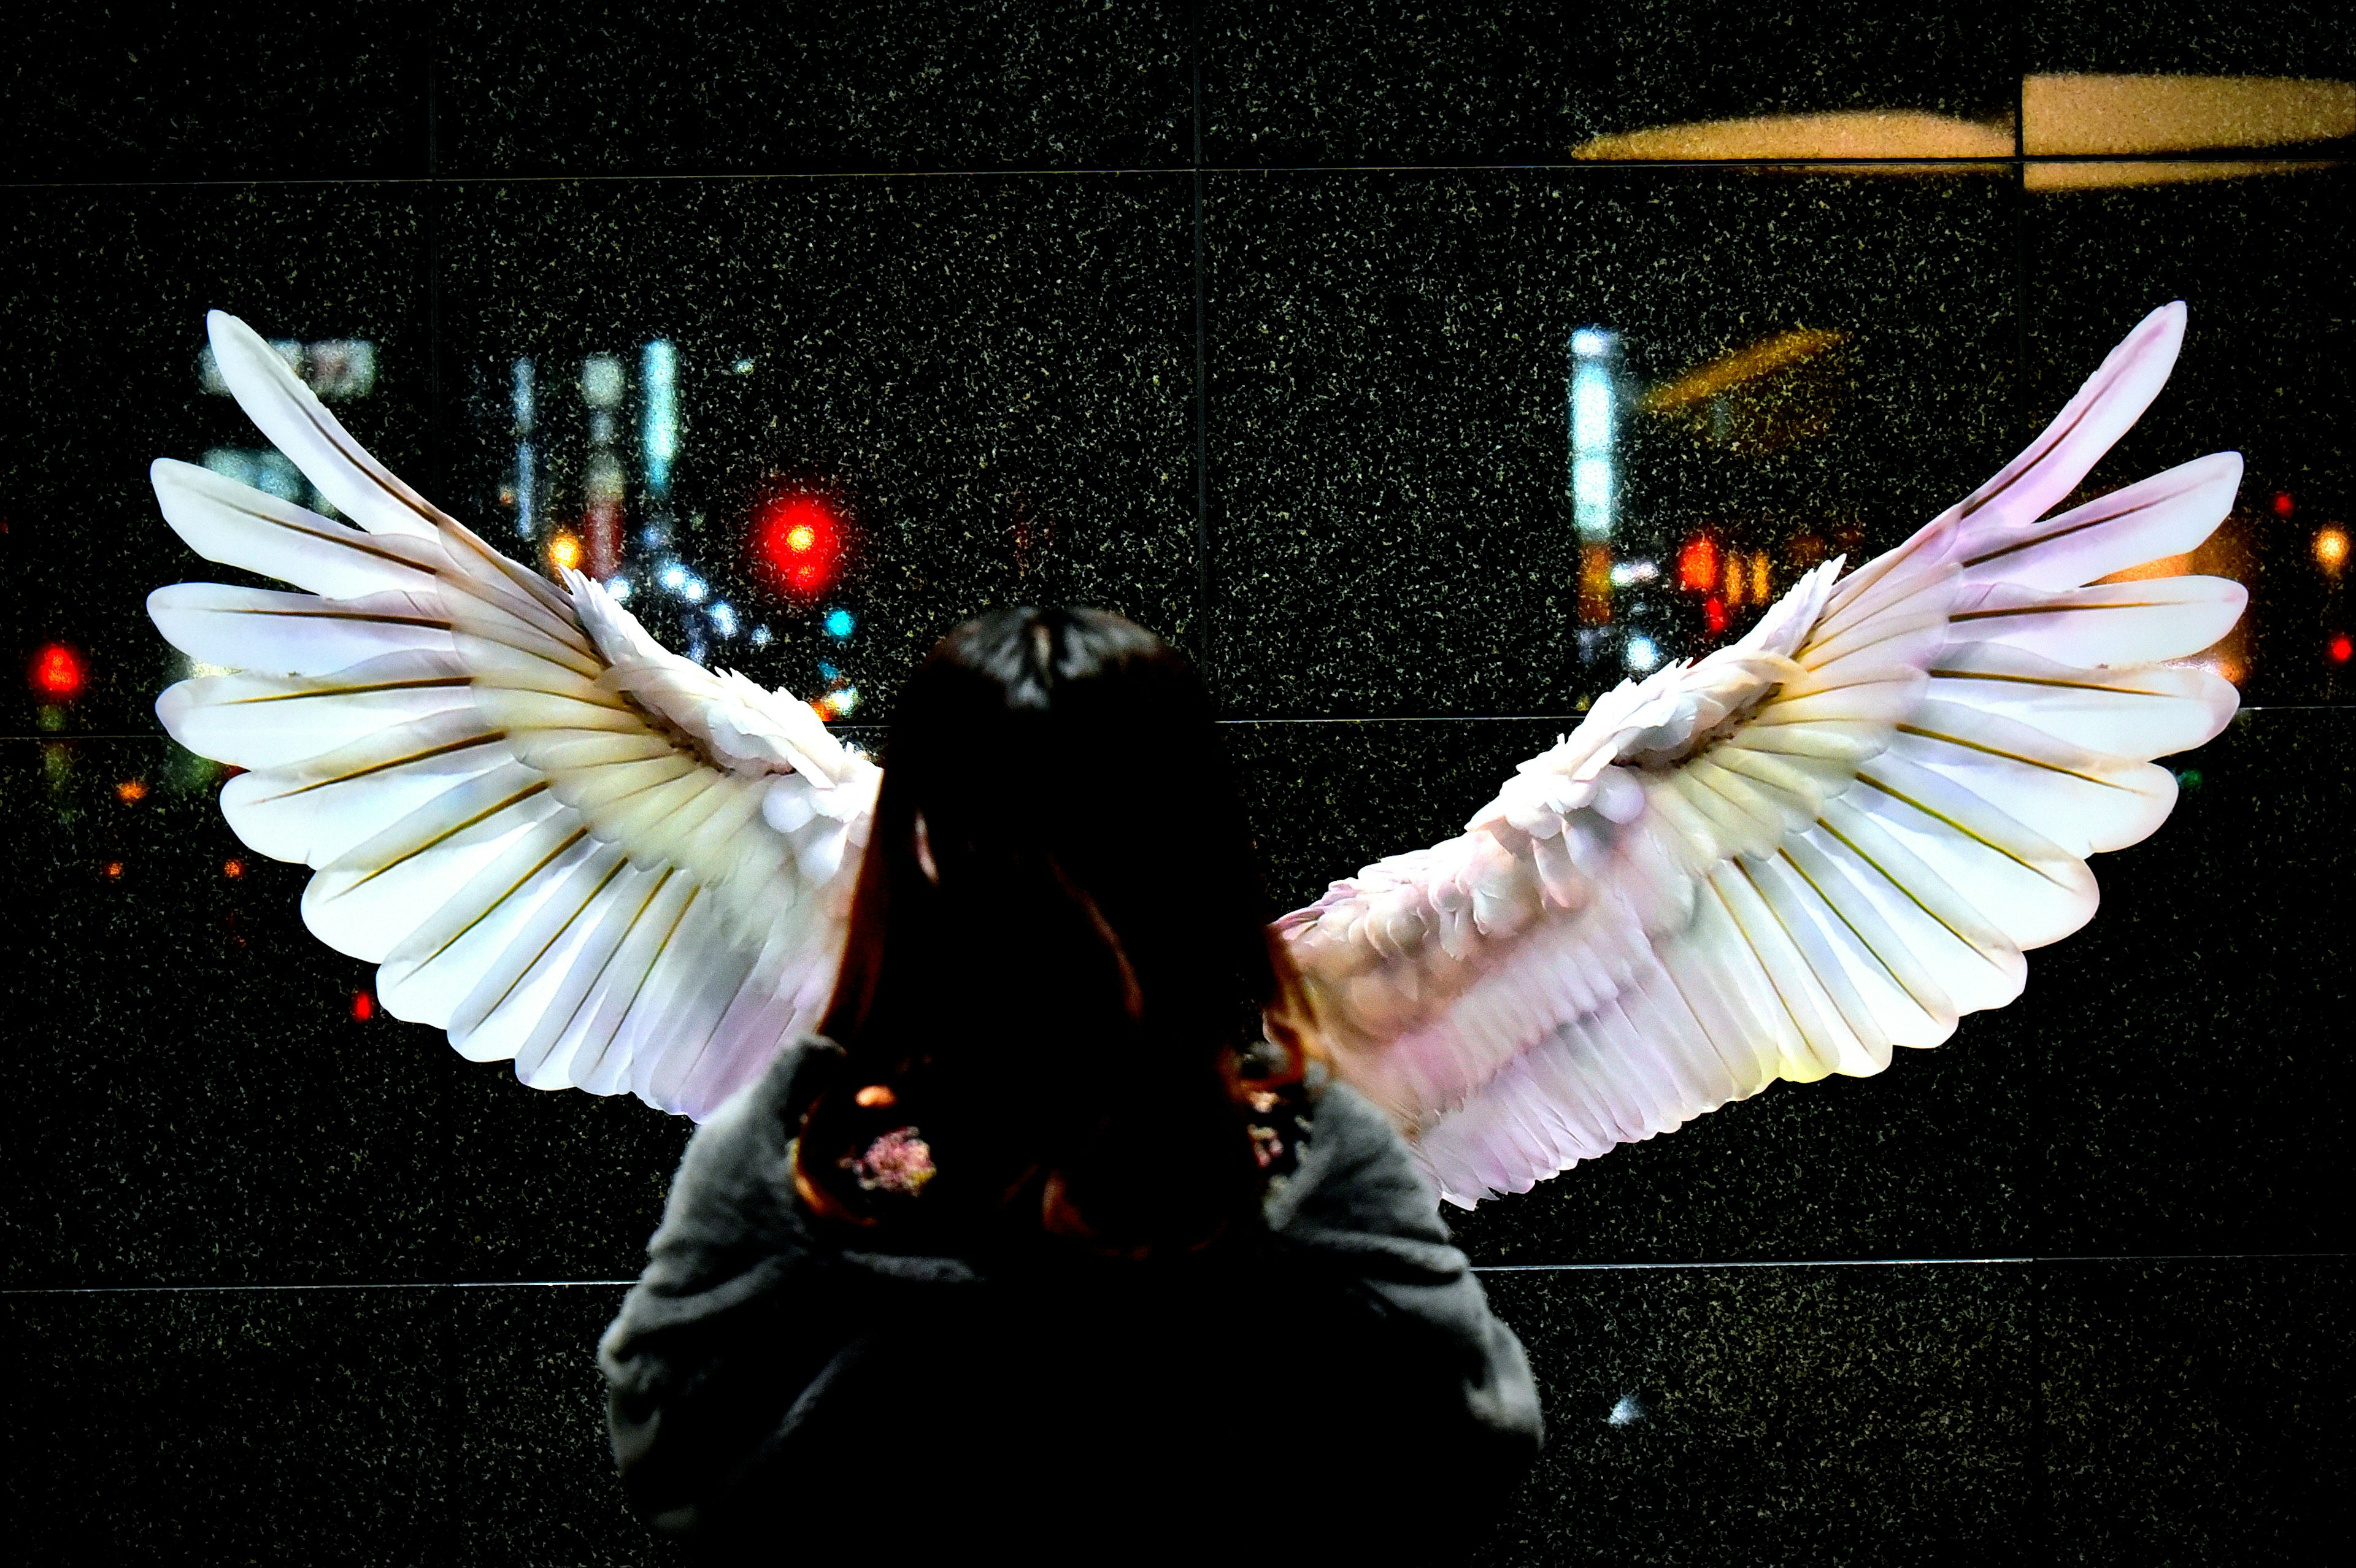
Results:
x,y
558,841
1830,838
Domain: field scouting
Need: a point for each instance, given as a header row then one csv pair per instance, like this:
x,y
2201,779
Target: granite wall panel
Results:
x,y
2303,39
2191,1046
2262,261
536,1482
1862,1415
1003,371
2193,1409
983,380
1393,357
108,288
206,90
1385,81
199,1105
723,87
230,1426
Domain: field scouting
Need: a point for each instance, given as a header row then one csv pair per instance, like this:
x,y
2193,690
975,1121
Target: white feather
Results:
x,y
545,829
1845,829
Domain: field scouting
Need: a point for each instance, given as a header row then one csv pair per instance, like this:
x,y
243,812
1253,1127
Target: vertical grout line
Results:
x,y
1203,533
2040,1500
444,1251
2024,394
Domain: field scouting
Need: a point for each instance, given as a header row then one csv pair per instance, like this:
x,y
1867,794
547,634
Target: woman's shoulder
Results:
x,y
1355,1176
739,1161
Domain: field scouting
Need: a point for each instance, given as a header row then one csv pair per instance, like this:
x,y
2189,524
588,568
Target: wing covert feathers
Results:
x,y
558,841
1830,840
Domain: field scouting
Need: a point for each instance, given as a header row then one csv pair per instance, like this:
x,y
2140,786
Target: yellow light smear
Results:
x,y
2076,114
2063,115
2165,566
2114,177
1743,365
1849,134
2225,553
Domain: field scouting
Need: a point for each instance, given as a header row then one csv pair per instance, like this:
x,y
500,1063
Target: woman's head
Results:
x,y
1058,944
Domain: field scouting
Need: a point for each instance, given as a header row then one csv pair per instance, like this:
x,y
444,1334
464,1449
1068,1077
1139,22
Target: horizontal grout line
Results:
x,y
2319,154
1572,717
1904,1262
367,1284
1477,1268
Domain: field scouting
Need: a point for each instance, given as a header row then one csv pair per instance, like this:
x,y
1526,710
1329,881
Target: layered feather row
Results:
x,y
554,844
1835,837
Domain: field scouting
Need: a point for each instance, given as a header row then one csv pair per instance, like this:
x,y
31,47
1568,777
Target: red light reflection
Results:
x,y
1697,566
2339,648
2284,505
363,1006
1713,612
59,672
798,543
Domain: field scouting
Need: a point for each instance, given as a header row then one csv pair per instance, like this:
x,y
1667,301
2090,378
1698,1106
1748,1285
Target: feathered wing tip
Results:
x,y
1847,828
535,866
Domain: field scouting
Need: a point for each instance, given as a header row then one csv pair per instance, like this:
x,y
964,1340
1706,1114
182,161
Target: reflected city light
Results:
x,y
60,672
724,618
523,405
131,792
1698,565
797,543
565,550
603,384
839,624
1862,133
114,869
2339,648
659,433
1594,421
2064,116
619,587
1595,584
1763,397
232,869
336,368
268,471
1642,655
2331,548
2285,504
363,1006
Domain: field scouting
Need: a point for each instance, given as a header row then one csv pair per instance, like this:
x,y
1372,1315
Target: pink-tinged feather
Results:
x,y
1831,839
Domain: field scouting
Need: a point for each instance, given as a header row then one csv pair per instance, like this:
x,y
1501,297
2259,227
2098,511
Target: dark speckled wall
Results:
x,y
1253,322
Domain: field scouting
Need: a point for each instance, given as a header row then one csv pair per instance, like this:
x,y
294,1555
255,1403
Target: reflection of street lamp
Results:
x,y
602,385
523,401
659,370
1589,409
1594,418
2331,549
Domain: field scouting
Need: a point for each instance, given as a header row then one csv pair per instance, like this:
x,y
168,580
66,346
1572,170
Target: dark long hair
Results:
x,y
1058,963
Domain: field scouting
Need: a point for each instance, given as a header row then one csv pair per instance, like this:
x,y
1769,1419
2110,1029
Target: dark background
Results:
x,y
1251,323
